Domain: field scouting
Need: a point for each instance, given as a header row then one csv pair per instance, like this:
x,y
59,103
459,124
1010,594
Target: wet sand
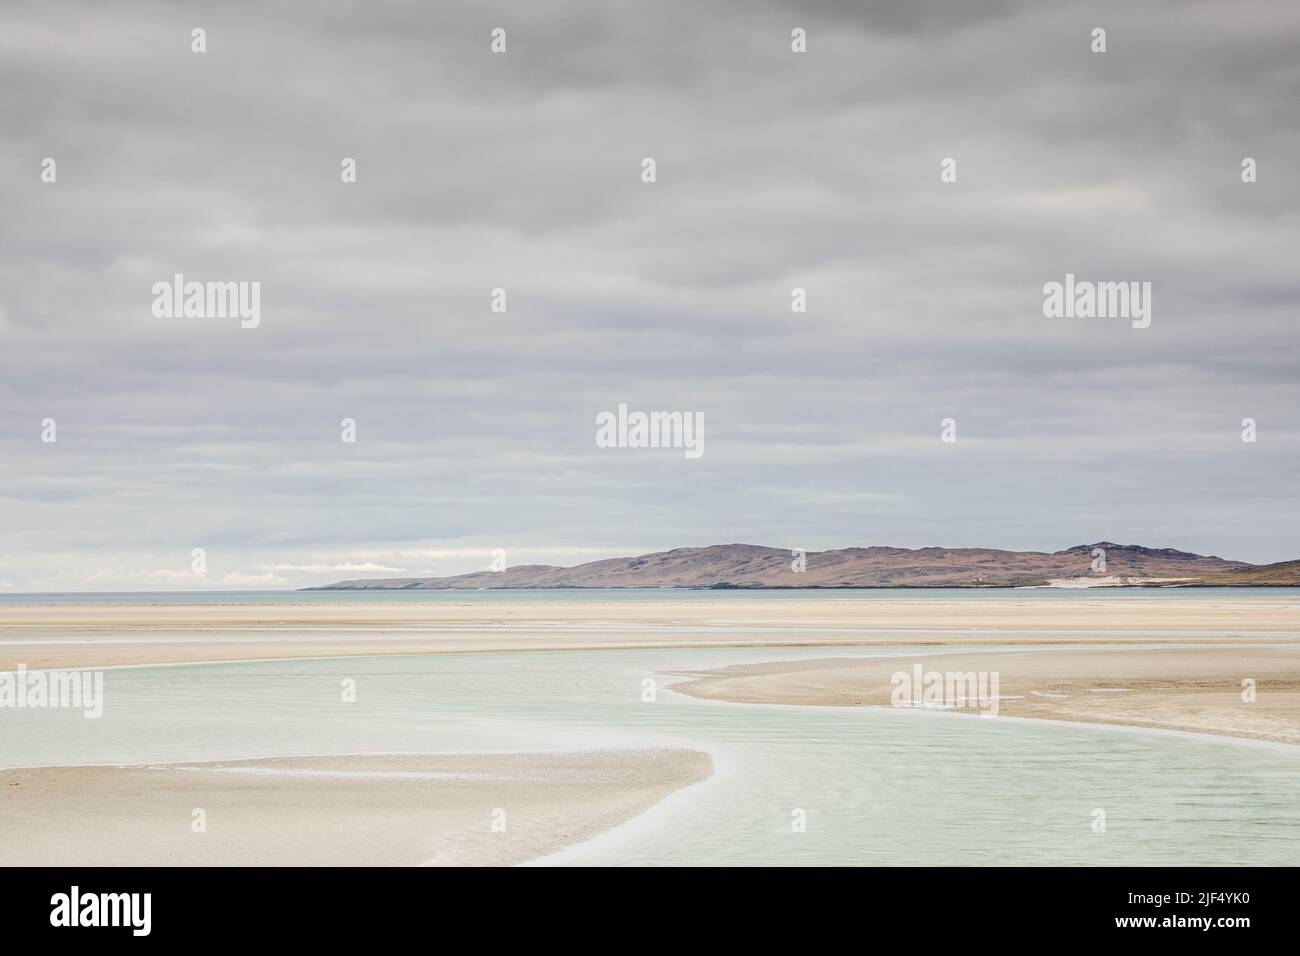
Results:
x,y
104,635
431,809
1199,690
377,810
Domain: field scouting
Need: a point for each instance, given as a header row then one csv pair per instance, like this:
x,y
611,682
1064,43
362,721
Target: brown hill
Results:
x,y
754,566
1282,574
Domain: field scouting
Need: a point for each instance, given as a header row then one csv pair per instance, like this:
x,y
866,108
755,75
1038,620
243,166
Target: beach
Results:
x,y
351,810
1192,690
103,635
539,709
1197,690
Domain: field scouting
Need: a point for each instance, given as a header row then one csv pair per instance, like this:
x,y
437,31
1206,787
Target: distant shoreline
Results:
x,y
1144,585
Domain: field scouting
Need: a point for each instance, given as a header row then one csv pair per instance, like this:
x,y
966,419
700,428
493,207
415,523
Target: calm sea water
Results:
x,y
876,786
570,595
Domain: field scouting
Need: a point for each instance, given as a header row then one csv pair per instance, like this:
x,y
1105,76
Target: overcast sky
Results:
x,y
522,170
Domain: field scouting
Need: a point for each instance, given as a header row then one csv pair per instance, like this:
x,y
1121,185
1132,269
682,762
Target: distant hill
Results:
x,y
1284,573
754,566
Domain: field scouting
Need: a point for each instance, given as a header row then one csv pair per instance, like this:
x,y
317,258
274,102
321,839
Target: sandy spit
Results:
x,y
1198,690
360,810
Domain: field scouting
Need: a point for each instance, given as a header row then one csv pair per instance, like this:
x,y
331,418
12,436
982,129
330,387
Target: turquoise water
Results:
x,y
877,786
659,595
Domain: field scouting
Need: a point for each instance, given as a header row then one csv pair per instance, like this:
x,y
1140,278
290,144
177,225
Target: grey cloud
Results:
x,y
775,171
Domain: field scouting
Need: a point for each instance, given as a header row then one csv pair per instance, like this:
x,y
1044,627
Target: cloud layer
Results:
x,y
522,171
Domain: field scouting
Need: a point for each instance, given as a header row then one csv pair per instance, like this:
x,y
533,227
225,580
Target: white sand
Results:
x,y
90,635
1189,689
349,810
